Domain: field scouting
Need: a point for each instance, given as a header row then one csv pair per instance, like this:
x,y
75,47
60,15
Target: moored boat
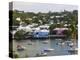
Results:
x,y
45,42
48,50
20,48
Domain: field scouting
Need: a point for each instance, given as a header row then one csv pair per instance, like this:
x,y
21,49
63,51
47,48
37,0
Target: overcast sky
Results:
x,y
42,7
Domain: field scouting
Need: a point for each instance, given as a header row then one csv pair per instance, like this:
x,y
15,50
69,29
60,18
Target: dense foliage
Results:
x,y
52,18
19,35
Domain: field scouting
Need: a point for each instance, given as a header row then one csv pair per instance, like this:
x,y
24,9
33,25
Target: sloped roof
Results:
x,y
61,29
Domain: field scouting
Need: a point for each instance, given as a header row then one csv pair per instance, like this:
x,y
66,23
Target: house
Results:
x,y
59,32
41,32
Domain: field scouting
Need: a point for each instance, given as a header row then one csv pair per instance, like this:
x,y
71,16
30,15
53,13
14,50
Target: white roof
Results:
x,y
32,25
27,28
18,19
13,32
61,29
51,16
44,26
65,25
35,28
41,30
58,16
44,30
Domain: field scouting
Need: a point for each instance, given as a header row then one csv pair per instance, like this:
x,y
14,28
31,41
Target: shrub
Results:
x,y
19,35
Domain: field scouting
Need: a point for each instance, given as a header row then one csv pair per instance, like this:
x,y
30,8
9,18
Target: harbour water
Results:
x,y
37,47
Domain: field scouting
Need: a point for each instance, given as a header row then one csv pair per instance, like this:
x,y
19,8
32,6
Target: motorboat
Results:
x,y
45,42
43,54
73,50
48,50
20,48
59,39
61,43
69,43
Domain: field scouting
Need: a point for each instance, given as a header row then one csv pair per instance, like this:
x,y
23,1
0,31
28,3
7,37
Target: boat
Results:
x,y
43,54
59,39
48,50
20,48
73,50
69,43
45,42
61,43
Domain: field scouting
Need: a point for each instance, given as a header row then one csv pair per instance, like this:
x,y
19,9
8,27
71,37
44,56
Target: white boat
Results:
x,y
63,43
76,48
59,39
20,48
43,54
73,50
48,50
69,43
45,42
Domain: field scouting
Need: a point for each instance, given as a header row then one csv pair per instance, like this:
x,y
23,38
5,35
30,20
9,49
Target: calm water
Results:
x,y
39,45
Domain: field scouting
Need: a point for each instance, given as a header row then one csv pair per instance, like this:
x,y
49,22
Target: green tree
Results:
x,y
19,35
73,28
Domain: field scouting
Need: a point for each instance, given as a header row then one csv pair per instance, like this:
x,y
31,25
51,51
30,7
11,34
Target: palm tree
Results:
x,y
73,29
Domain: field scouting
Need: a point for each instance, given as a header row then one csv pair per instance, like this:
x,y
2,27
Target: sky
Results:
x,y
42,7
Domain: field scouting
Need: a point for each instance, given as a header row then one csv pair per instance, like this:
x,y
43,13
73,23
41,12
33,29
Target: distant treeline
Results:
x,y
43,18
52,18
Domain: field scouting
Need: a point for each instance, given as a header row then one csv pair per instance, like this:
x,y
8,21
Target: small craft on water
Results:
x,y
43,54
20,48
69,43
48,50
73,50
45,42
60,43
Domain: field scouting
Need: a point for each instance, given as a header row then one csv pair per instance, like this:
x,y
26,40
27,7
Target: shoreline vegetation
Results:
x,y
65,19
